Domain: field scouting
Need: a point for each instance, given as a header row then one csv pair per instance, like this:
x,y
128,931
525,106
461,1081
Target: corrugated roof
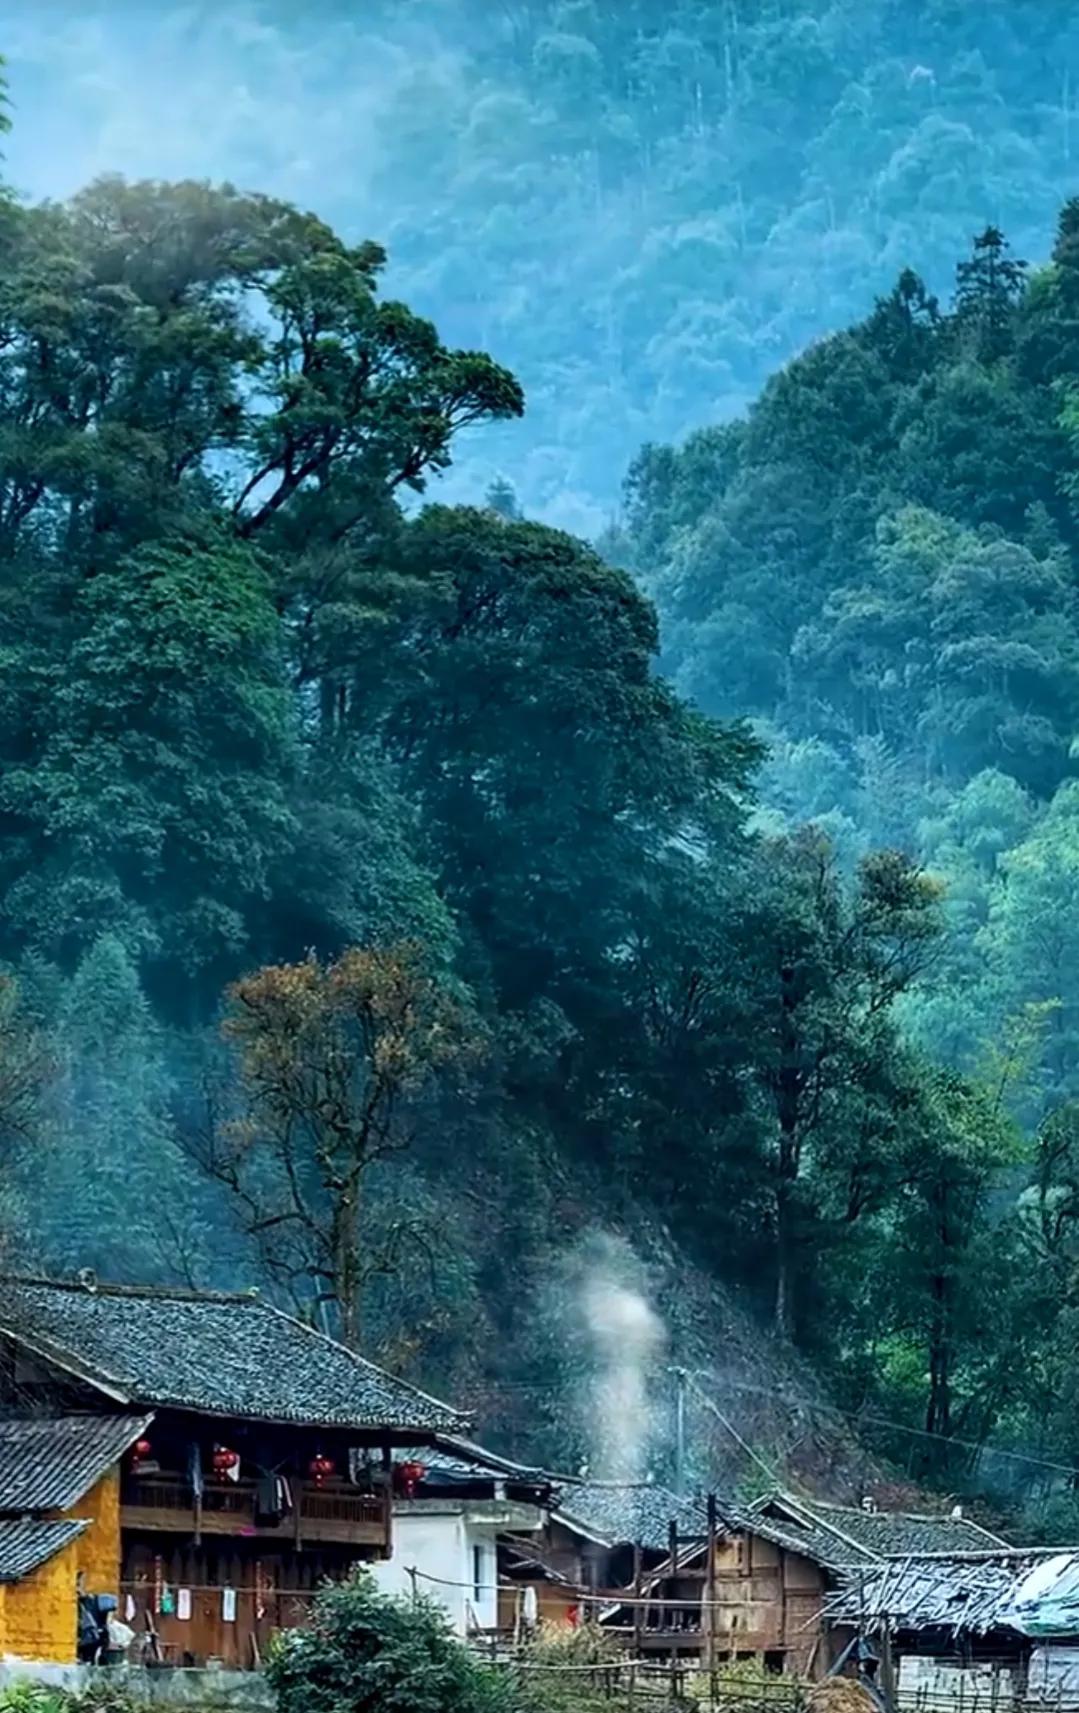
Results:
x,y
25,1545
219,1354
623,1513
48,1463
1034,1591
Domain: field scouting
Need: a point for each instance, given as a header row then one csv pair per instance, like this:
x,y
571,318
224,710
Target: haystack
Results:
x,y
840,1695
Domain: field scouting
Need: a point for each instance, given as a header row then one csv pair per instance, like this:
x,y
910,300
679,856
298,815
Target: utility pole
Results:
x,y
680,1377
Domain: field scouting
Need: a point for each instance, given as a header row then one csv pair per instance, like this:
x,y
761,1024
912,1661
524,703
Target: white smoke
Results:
x,y
626,1338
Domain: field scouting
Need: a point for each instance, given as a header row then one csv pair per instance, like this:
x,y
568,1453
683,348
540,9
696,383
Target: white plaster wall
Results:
x,y
979,1685
440,1545
1054,1670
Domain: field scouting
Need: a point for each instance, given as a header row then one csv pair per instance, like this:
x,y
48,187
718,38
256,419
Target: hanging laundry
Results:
x,y
167,1604
194,1470
268,1507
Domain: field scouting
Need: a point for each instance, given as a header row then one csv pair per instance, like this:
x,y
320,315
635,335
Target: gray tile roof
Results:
x,y
458,1460
48,1464
813,1541
890,1533
218,1354
26,1545
623,1513
841,1534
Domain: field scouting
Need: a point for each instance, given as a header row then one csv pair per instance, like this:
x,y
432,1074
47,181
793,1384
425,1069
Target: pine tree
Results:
x,y
987,288
119,1197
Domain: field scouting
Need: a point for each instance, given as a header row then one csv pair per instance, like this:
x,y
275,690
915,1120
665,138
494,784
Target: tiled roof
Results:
x,y
47,1464
26,1545
624,1513
840,1534
213,1353
889,1533
812,1540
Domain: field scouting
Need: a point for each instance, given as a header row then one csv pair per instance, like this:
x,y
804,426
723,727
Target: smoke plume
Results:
x,y
626,1337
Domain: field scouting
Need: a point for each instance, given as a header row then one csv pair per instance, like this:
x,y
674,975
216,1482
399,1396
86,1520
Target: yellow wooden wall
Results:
x,y
39,1615
98,1547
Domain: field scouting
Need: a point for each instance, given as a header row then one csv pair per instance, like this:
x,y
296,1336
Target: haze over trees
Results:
x,y
644,209
391,891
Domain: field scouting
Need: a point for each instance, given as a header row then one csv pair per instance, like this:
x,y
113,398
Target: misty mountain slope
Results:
x,y
642,208
377,920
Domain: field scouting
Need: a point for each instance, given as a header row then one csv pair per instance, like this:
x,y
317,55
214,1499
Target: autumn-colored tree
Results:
x,y
333,1059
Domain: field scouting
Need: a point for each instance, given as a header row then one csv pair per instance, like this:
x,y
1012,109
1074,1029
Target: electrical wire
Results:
x,y
823,1412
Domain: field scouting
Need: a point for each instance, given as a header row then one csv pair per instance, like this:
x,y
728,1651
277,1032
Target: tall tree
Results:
x,y
333,1060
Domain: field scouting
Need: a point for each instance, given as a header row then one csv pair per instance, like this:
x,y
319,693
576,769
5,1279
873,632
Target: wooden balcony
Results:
x,y
159,1504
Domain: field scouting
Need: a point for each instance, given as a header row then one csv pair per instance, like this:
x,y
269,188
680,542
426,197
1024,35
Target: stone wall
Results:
x,y
198,1691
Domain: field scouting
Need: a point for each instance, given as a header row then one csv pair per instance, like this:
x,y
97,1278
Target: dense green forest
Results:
x,y
644,207
393,892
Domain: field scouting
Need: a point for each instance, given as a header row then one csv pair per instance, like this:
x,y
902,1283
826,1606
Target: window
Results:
x,y
477,1573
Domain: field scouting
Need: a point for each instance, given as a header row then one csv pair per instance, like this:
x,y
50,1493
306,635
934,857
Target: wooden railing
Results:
x,y
167,1503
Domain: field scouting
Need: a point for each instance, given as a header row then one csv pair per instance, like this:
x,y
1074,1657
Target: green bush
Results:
x,y
33,1698
367,1652
98,1697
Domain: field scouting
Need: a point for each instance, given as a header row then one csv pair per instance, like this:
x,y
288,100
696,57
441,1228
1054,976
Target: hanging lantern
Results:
x,y
409,1475
320,1469
140,1451
224,1460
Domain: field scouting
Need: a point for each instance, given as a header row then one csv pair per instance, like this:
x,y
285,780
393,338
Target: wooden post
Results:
x,y
638,1590
710,1593
887,1665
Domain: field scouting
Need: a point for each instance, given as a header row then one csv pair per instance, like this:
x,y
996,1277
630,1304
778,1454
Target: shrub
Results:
x,y
367,1652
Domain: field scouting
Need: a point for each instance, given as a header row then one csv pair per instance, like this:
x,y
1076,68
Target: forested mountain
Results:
x,y
643,207
878,565
392,893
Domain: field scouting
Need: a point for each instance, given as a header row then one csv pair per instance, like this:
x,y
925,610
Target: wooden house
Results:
x,y
980,1630
594,1535
202,1457
755,1586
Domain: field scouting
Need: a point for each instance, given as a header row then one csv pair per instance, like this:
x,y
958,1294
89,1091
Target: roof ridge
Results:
x,y
104,1288
808,1518
885,1511
621,1486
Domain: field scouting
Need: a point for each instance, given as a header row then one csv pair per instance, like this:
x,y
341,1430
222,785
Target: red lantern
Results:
x,y
320,1469
410,1475
224,1459
143,1448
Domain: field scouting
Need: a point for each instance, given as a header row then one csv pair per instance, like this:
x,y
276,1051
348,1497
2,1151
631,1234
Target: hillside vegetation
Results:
x,y
377,920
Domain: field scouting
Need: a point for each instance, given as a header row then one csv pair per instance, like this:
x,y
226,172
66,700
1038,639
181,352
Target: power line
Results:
x,y
821,1411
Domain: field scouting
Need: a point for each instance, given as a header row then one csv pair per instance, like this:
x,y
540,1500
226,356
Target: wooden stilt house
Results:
x,y
203,1458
